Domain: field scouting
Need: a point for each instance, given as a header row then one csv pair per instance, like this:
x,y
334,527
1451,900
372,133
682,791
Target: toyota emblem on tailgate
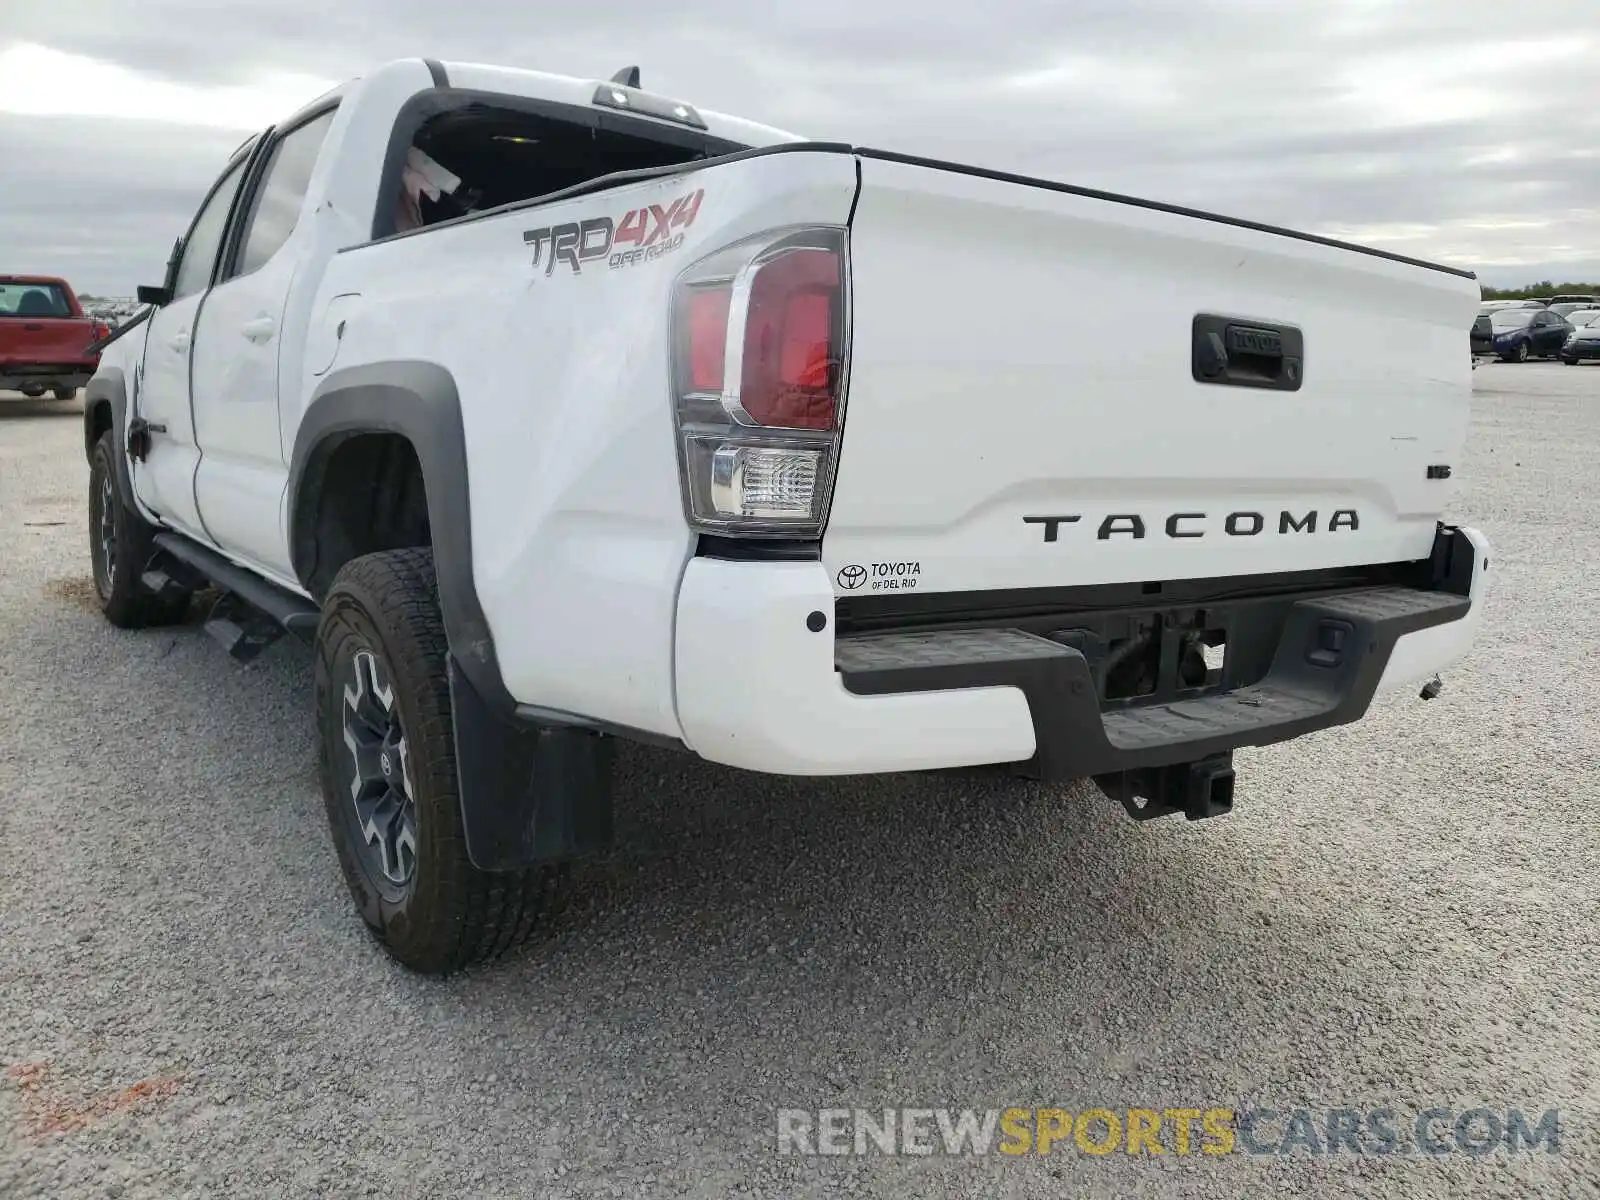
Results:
x,y
852,577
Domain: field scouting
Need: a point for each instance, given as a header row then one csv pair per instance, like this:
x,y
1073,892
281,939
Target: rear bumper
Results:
x,y
758,687
15,377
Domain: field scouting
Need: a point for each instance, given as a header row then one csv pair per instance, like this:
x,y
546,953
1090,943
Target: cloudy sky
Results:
x,y
1456,130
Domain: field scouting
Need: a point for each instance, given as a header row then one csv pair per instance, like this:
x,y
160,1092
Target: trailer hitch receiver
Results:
x,y
1196,789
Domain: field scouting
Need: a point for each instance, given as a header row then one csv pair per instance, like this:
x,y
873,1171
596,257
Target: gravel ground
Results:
x,y
1400,914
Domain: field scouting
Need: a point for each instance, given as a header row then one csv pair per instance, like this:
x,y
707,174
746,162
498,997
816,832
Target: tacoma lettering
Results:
x,y
1306,524
1191,524
1131,524
1052,525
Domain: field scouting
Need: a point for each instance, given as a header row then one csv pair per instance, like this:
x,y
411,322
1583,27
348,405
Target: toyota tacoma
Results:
x,y
554,412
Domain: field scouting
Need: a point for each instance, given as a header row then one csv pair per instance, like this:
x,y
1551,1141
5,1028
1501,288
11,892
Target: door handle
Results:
x,y
32,328
260,330
180,341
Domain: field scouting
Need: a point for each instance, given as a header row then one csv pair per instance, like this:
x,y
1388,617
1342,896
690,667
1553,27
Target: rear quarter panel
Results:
x,y
578,533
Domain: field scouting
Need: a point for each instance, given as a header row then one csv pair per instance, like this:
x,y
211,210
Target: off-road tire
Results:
x,y
447,914
118,584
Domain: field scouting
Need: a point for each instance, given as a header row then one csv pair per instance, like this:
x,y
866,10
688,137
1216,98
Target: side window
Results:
x,y
276,207
205,239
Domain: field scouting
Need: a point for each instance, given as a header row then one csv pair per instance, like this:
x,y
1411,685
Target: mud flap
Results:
x,y
529,793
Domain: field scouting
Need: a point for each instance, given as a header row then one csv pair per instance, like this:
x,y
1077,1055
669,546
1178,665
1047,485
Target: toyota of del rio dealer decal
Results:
x,y
878,577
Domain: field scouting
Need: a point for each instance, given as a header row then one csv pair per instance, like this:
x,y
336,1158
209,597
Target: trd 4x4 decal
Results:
x,y
642,235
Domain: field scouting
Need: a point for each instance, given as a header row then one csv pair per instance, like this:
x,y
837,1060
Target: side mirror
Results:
x,y
163,294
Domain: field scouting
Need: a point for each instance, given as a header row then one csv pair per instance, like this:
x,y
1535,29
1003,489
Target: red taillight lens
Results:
x,y
760,343
791,355
708,337
101,330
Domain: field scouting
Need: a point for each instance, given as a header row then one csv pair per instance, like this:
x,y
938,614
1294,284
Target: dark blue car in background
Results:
x,y
1518,334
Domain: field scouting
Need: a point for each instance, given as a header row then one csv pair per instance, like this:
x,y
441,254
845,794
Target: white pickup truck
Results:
x,y
553,411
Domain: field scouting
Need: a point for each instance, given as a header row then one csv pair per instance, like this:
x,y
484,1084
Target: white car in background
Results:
x,y
1583,343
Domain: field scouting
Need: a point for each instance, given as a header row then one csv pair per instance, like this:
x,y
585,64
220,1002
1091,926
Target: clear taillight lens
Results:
x,y
759,372
764,482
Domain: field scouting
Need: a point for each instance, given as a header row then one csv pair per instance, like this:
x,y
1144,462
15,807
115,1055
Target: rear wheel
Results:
x,y
386,751
66,393
120,547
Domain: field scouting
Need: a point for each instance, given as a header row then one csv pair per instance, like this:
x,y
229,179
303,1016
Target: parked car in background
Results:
x,y
1586,301
1567,307
1482,339
1489,306
1579,317
47,342
1583,343
1524,333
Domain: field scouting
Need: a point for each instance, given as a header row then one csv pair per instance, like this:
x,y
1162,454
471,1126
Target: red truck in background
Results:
x,y
47,343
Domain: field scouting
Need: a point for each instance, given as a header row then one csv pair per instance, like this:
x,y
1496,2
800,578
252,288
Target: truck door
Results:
x,y
243,352
164,481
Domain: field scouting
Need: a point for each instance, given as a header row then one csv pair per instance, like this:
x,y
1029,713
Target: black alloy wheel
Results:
x,y
383,808
387,760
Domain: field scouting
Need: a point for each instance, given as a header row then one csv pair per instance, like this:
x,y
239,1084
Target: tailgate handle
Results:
x,y
1242,353
32,327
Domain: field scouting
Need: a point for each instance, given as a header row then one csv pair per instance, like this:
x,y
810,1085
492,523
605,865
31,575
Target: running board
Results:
x,y
237,620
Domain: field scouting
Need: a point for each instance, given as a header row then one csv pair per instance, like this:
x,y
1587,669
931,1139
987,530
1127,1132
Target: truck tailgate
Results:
x,y
1024,411
25,341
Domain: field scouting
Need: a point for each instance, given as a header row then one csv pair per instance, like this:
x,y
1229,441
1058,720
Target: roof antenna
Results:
x,y
627,77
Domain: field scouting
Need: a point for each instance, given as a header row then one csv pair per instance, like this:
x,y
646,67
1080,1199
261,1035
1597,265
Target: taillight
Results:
x,y
759,371
708,338
789,366
101,330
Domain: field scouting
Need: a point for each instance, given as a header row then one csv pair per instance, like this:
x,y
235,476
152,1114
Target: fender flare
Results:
x,y
109,386
529,792
418,401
